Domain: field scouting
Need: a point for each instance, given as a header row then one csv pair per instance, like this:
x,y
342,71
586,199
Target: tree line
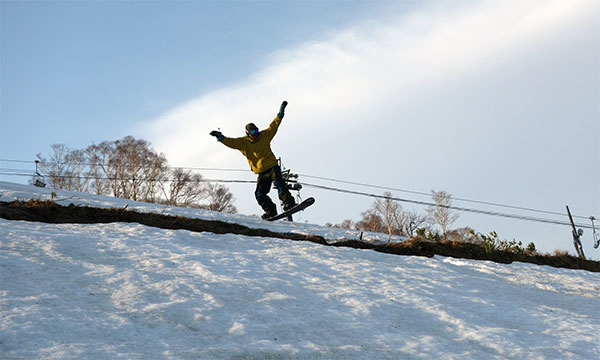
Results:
x,y
386,215
129,168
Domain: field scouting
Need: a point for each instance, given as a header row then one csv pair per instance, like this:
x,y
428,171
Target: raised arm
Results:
x,y
274,125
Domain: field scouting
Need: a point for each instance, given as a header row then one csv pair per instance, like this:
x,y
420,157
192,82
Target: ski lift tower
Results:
x,y
577,233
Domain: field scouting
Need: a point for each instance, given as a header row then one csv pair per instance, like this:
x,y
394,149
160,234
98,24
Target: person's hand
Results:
x,y
282,110
218,135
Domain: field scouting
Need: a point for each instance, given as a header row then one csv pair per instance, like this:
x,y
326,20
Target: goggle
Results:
x,y
252,132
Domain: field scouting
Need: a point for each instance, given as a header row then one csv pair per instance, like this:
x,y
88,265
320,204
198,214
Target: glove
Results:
x,y
218,135
282,110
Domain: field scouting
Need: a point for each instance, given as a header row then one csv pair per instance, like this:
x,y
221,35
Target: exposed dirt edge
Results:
x,y
51,212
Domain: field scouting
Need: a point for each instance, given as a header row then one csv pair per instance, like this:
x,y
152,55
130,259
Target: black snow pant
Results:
x,y
263,186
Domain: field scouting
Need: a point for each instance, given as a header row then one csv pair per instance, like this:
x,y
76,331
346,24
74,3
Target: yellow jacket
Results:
x,y
258,152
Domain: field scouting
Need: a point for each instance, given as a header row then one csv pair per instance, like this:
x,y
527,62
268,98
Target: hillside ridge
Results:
x,y
48,211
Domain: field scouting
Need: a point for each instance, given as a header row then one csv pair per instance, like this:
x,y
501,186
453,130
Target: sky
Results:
x,y
494,101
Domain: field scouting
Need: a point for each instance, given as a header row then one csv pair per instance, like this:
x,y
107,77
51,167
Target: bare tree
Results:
x,y
411,221
107,168
371,221
185,188
220,199
131,157
442,212
56,167
346,224
130,168
76,165
395,220
97,160
391,212
154,174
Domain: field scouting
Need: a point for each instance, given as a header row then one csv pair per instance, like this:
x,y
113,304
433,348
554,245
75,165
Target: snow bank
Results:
x,y
11,192
119,290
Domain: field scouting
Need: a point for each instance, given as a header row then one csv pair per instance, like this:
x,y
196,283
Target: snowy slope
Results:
x,y
129,291
11,191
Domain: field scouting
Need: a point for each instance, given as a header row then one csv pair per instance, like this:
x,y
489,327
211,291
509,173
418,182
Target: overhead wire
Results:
x,y
429,194
80,177
141,166
488,203
458,208
364,185
15,172
329,188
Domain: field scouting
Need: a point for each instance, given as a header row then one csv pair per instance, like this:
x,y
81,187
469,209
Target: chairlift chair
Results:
x,y
38,179
596,234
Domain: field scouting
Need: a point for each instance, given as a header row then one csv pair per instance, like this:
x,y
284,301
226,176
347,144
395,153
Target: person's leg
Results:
x,y
287,199
263,186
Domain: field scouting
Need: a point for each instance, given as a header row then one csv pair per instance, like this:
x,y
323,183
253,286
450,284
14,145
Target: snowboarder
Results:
x,y
256,147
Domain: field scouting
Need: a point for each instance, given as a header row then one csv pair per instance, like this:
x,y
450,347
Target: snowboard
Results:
x,y
288,213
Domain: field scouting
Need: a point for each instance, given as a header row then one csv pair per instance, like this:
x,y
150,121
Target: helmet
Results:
x,y
252,131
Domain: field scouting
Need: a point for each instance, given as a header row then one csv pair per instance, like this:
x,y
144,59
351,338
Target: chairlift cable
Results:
x,y
14,172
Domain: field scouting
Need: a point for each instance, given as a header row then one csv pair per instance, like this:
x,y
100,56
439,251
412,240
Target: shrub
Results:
x,y
427,234
560,252
492,242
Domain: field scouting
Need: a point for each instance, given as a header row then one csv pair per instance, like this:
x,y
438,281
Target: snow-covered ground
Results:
x,y
104,291
11,191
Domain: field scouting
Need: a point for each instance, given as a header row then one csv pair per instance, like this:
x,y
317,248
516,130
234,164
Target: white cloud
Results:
x,y
370,69
407,84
